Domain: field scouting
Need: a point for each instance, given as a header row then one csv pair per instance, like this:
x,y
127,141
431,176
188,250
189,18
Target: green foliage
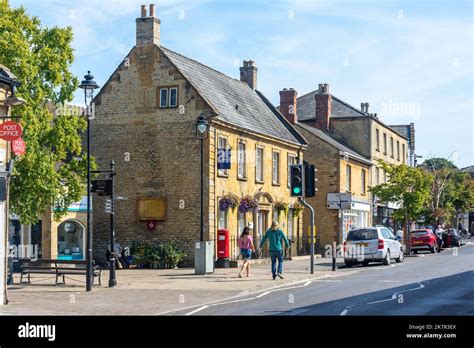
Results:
x,y
406,185
162,255
451,190
50,173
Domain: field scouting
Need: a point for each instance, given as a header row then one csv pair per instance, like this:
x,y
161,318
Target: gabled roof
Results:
x,y
335,143
234,101
306,106
469,170
7,76
306,110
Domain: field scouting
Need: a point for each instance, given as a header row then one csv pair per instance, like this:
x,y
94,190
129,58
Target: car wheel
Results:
x,y
386,260
348,264
415,251
433,249
401,257
365,263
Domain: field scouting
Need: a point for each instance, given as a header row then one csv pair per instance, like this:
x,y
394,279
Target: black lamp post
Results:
x,y
202,127
89,85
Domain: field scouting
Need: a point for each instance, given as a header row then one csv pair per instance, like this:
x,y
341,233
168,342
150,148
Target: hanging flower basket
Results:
x,y
281,206
228,201
297,209
248,204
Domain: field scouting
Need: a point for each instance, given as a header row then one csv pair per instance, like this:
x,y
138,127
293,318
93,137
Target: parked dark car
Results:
x,y
454,238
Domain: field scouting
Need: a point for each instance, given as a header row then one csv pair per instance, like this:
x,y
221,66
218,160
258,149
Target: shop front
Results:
x,y
356,217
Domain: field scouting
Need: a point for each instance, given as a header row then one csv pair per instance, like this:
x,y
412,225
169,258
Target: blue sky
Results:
x,y
411,60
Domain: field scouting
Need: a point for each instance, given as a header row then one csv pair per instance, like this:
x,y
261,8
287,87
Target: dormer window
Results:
x,y
168,97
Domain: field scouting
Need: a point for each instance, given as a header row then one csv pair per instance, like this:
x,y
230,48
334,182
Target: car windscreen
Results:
x,y
419,233
363,234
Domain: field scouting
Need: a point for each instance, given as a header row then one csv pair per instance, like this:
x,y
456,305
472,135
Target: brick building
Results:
x,y
340,170
362,131
145,120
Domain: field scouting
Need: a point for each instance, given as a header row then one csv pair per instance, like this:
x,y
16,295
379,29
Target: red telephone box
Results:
x,y
223,244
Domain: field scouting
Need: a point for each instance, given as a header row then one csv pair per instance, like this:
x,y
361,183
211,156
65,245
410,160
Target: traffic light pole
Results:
x,y
311,222
112,276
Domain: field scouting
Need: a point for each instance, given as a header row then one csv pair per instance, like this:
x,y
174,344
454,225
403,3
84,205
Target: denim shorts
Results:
x,y
246,253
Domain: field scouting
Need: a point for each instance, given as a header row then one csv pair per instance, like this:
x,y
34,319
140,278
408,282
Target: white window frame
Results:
x,y
276,169
291,160
165,99
169,97
223,217
241,161
348,178
222,172
259,164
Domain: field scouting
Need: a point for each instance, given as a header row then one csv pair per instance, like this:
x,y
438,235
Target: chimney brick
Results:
x,y
248,73
148,28
288,104
323,107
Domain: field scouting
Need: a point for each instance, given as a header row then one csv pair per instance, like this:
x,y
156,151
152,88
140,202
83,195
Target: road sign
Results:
x,y
339,200
108,207
10,131
18,146
102,187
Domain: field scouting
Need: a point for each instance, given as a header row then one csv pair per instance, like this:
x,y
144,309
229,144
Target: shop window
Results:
x,y
71,241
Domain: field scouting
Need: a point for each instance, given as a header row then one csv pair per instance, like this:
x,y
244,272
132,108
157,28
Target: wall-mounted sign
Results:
x,y
18,146
151,209
339,200
10,131
223,158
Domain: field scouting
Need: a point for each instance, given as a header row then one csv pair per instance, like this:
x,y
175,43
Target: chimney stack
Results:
x,y
323,107
148,27
364,107
248,73
288,104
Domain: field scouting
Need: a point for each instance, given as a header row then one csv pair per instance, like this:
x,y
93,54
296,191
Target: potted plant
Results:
x,y
297,209
248,204
281,206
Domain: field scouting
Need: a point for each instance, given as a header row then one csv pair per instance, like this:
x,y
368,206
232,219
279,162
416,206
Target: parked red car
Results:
x,y
423,239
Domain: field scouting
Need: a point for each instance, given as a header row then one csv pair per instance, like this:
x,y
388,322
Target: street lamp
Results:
x,y
201,133
89,85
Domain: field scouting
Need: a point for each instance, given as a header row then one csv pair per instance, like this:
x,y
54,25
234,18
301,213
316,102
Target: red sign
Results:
x,y
10,131
18,146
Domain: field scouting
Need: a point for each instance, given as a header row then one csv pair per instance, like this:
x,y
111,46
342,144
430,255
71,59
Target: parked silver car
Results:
x,y
372,244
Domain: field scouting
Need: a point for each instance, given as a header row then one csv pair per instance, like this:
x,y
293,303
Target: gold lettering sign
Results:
x,y
151,209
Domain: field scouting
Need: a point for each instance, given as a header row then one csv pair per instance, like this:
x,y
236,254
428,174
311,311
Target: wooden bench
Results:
x,y
60,268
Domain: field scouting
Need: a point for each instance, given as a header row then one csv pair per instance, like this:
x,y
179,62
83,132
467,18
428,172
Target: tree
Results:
x,y
53,170
408,186
451,190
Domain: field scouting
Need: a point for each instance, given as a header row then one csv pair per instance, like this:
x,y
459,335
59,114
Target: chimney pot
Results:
x,y
362,107
320,87
148,28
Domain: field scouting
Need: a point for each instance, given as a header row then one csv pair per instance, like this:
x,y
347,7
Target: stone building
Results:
x,y
362,131
145,120
340,170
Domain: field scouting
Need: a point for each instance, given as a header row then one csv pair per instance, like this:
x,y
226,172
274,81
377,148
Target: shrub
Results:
x,y
161,255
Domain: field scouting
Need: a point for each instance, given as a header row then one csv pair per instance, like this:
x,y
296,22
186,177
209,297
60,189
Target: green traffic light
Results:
x,y
296,190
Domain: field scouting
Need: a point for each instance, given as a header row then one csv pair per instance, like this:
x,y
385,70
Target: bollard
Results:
x,y
333,256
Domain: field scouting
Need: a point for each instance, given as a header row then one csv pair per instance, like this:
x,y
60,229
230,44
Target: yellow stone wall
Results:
x,y
267,191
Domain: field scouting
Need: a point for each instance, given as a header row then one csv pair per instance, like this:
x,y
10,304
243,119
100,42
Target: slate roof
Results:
x,y
469,170
7,76
335,143
234,101
306,106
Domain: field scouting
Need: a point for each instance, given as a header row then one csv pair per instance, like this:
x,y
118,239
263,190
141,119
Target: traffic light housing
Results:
x,y
309,180
297,180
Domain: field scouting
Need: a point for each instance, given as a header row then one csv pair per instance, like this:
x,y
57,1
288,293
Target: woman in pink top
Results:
x,y
246,247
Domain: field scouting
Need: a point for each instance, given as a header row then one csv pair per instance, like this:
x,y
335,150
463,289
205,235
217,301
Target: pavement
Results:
x,y
180,292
